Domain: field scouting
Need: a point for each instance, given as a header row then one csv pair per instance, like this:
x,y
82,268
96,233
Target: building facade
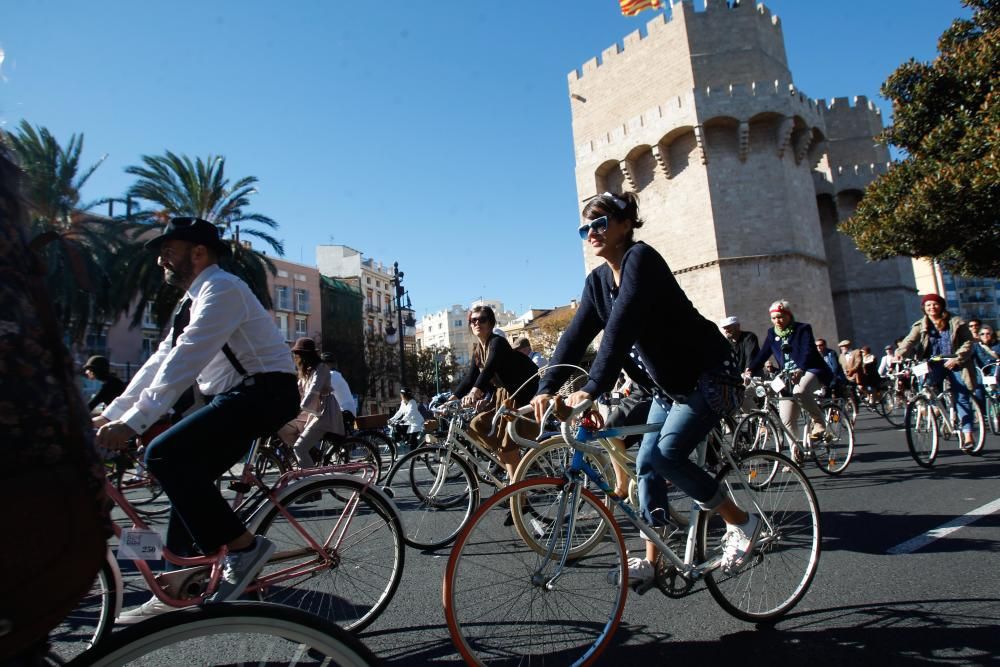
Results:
x,y
380,320
742,178
449,328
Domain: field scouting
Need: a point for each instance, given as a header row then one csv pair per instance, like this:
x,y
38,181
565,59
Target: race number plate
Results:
x,y
989,380
920,369
777,384
137,544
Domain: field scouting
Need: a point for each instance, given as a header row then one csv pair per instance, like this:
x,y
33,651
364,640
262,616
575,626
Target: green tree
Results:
x,y
943,199
425,376
176,185
78,247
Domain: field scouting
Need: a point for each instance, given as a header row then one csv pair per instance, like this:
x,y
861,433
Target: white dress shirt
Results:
x,y
223,310
343,392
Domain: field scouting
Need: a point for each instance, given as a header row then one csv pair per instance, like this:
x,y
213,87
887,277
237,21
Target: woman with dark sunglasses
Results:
x,y
652,330
498,369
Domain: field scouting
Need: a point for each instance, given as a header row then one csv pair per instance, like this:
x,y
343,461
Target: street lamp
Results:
x,y
397,283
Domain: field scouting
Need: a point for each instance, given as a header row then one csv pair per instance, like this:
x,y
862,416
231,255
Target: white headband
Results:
x,y
620,203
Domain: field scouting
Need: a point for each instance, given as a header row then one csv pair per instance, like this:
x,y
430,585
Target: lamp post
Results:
x,y
397,283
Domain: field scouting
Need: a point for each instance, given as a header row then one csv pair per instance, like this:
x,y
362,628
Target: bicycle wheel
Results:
x,y
435,492
500,600
386,447
978,430
232,633
921,431
893,407
834,452
993,415
139,487
535,513
268,466
353,577
351,450
782,568
90,621
757,432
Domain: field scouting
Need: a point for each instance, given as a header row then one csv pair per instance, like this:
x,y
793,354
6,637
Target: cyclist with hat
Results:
x,y
222,338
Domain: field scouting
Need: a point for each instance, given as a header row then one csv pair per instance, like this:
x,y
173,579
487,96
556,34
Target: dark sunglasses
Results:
x,y
598,226
478,320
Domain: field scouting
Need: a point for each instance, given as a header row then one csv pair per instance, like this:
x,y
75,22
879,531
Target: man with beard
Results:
x,y
224,339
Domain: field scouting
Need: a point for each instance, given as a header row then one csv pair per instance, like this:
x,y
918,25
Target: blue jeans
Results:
x,y
187,458
666,456
936,373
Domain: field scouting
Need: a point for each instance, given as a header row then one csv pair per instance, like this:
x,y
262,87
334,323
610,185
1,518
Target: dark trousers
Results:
x,y
188,457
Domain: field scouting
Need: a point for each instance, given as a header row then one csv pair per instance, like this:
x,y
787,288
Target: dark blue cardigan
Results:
x,y
649,310
804,352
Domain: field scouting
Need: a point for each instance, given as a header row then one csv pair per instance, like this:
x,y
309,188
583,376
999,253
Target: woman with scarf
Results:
x,y
794,348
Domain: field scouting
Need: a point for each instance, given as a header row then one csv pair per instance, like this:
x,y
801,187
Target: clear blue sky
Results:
x,y
433,133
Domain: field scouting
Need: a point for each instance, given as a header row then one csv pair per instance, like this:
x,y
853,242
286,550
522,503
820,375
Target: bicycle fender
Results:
x,y
254,520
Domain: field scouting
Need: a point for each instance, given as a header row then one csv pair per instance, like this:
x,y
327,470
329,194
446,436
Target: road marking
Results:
x,y
944,530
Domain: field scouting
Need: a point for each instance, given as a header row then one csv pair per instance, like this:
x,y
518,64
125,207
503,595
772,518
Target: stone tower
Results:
x,y
701,118
874,301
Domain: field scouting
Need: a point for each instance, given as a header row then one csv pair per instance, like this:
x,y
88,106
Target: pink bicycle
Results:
x,y
339,553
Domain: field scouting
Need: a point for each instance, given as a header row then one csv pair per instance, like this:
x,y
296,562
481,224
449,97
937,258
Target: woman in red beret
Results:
x,y
939,333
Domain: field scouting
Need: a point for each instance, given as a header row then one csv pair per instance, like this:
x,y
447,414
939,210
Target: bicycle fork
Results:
x,y
568,496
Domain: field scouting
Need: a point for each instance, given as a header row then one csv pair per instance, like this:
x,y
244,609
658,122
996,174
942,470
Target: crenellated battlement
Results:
x,y
739,101
842,105
662,29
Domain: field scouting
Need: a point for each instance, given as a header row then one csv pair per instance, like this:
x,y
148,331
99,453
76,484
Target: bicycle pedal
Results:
x,y
642,587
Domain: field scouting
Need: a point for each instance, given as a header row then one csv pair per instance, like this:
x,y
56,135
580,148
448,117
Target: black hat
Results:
x,y
193,230
100,365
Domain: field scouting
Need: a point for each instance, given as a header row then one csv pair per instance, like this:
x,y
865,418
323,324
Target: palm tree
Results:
x,y
78,247
177,186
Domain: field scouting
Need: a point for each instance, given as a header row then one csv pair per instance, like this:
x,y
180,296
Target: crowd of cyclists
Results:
x,y
659,361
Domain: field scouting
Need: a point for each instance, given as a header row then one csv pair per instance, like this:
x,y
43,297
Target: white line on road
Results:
x,y
920,541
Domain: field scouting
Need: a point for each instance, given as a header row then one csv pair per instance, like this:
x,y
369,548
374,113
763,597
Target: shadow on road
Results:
x,y
898,633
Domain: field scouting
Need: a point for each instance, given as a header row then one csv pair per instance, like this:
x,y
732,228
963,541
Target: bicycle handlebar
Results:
x,y
567,428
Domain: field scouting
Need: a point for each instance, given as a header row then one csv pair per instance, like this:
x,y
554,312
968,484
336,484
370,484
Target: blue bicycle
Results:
x,y
541,569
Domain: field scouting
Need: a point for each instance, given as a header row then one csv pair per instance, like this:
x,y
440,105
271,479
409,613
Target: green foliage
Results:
x,y
175,185
78,248
427,378
942,200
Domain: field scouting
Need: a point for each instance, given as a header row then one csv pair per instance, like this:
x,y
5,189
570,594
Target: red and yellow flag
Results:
x,y
633,7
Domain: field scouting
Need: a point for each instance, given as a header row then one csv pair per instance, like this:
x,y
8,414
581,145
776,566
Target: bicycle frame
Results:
x,y
580,469
261,497
459,443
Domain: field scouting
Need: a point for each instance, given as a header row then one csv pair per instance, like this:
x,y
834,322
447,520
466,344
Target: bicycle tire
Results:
x,y
434,510
366,563
993,415
90,621
834,453
142,490
782,568
757,432
921,431
351,450
979,424
499,612
268,466
894,407
386,447
236,632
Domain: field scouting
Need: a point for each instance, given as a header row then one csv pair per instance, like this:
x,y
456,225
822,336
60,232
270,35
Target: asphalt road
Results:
x,y
937,604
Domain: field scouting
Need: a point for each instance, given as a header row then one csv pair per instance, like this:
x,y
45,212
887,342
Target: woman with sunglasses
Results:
x,y
652,330
496,367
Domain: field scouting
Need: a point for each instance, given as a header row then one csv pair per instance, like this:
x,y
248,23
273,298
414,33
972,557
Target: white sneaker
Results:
x,y
152,607
739,542
240,567
640,571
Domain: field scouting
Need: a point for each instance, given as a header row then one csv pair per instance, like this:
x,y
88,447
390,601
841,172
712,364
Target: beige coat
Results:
x,y
319,403
917,345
